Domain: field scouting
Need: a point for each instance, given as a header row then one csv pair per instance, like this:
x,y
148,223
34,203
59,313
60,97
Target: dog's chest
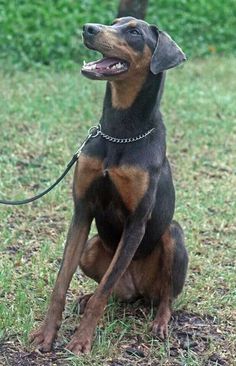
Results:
x,y
131,182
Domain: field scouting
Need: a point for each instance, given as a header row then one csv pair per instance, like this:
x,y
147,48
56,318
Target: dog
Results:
x,y
123,180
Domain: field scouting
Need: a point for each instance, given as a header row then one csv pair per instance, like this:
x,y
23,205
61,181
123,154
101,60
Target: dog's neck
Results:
x,y
129,121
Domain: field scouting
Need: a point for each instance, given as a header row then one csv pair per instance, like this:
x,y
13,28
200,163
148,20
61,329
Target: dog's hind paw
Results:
x,y
160,329
81,345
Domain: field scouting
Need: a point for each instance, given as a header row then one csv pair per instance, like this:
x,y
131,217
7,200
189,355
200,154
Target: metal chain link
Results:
x,y
96,131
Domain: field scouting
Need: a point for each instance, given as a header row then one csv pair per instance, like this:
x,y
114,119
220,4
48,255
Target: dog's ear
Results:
x,y
167,53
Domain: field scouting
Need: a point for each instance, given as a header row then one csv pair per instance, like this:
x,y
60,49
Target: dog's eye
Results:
x,y
134,31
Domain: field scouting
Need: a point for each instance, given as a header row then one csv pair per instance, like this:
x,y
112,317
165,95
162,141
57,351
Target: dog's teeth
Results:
x,y
89,67
116,66
119,65
93,67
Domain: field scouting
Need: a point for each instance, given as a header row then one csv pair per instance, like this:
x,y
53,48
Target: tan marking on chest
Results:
x,y
131,183
87,170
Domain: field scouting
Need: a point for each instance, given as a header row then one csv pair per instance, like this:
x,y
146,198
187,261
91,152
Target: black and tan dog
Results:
x,y
125,186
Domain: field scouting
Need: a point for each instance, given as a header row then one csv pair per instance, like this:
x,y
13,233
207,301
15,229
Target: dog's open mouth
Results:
x,y
105,67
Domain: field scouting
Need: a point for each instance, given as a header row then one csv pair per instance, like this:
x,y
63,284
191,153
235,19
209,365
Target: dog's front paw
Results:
x,y
43,337
80,345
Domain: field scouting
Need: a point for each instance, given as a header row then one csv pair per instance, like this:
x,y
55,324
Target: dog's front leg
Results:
x,y
76,239
132,235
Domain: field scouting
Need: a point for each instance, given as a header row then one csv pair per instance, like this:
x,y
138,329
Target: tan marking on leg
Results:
x,y
153,281
153,273
125,289
131,183
160,323
145,272
95,259
86,171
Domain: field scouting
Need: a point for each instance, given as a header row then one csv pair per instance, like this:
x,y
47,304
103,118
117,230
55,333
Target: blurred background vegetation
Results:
x,y
49,32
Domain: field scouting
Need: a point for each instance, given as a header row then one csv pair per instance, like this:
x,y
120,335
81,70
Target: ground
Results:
x,y
44,115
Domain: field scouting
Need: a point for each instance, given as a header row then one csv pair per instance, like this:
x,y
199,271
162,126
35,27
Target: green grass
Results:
x,y
44,115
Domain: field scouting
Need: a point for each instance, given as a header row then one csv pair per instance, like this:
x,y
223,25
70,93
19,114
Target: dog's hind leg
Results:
x,y
180,260
173,267
94,262
95,259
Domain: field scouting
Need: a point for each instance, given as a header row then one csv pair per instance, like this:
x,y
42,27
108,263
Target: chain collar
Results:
x,y
96,131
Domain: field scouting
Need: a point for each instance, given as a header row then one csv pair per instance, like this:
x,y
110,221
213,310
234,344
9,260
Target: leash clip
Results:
x,y
94,131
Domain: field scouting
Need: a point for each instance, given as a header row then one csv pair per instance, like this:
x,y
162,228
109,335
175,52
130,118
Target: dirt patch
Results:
x,y
196,333
13,355
188,333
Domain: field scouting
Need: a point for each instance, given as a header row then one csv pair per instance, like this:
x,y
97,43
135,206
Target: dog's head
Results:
x,y
129,47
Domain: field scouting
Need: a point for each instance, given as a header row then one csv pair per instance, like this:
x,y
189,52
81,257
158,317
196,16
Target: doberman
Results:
x,y
123,181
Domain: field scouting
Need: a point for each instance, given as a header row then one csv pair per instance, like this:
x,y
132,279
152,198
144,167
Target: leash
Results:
x,y
93,132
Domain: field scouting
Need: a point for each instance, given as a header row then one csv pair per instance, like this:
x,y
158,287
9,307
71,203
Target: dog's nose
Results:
x,y
91,29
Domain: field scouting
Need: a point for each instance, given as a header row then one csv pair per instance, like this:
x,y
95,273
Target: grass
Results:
x,y
44,115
